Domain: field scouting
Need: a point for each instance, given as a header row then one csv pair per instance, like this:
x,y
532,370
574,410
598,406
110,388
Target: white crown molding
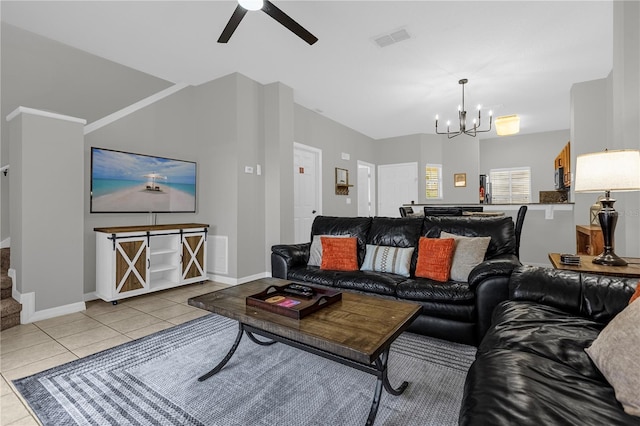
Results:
x,y
24,110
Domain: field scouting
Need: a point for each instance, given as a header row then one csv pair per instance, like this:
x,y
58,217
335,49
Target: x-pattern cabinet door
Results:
x,y
131,264
193,257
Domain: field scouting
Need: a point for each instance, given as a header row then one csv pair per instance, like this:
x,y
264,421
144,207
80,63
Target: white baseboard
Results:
x,y
236,281
88,297
5,243
55,312
29,313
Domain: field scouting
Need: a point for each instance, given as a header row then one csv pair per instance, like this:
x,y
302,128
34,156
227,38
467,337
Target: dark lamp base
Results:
x,y
610,259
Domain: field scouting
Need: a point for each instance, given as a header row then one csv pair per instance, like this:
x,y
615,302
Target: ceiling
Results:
x,y
520,57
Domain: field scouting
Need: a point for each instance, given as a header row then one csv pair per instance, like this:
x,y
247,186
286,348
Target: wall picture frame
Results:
x,y
459,180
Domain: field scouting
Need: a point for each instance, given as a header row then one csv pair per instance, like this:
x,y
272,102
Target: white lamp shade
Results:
x,y
507,125
251,4
608,171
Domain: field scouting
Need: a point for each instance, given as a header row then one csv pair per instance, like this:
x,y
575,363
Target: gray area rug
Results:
x,y
153,381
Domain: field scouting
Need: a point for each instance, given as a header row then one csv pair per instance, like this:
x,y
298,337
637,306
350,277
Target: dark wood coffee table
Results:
x,y
356,331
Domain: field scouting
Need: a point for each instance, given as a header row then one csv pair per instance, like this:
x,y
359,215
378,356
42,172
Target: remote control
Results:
x,y
299,289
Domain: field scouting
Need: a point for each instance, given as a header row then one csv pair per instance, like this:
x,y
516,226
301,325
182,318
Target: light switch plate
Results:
x,y
258,169
346,156
248,169
348,200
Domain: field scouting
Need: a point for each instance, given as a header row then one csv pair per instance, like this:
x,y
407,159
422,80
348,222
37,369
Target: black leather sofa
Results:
x,y
453,310
531,367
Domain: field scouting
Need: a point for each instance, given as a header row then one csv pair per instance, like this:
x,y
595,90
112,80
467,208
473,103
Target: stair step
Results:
x,y
5,255
5,287
10,310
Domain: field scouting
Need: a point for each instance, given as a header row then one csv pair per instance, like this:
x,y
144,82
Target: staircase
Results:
x,y
9,308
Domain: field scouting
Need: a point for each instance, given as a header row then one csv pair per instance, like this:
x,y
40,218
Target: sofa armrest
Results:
x,y
499,266
284,257
489,294
490,281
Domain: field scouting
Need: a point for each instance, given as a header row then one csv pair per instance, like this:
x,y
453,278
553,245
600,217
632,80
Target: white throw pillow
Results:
x,y
615,353
315,252
468,254
395,260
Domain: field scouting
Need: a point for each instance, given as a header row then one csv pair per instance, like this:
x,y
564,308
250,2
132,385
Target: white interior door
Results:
x,y
307,189
366,189
397,185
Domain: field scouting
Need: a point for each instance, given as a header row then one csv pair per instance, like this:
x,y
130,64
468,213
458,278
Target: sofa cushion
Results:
x,y
315,251
500,229
543,330
313,275
435,291
469,253
615,353
462,312
372,282
597,297
339,254
395,260
354,226
511,387
434,258
395,231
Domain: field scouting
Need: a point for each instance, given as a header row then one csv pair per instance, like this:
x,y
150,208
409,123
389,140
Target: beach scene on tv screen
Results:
x,y
126,182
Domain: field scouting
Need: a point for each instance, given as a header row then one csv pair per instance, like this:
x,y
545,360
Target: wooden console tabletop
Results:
x,y
138,228
632,270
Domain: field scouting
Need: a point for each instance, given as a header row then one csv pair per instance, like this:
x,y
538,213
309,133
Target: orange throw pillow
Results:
x,y
435,256
636,295
339,254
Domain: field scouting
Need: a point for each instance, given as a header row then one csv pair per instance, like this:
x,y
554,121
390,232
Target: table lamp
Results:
x,y
608,171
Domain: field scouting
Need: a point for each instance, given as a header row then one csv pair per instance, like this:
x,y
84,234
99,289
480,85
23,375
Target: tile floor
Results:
x,y
30,348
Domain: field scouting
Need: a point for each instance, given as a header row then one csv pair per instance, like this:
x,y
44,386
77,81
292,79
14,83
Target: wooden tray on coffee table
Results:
x,y
275,299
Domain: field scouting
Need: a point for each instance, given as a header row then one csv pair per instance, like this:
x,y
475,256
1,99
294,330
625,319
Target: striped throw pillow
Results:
x,y
395,260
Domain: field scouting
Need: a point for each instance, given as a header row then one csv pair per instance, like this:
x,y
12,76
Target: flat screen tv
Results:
x,y
124,182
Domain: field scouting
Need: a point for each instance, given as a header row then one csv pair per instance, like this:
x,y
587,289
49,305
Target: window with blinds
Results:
x,y
510,186
433,181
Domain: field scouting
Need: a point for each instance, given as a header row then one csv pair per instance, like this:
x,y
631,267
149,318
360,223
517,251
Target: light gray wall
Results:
x,y
47,187
164,129
626,116
278,179
215,115
461,155
537,151
433,149
333,138
251,197
588,134
40,73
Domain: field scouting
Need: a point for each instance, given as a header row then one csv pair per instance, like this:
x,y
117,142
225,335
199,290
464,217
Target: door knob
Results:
x,y
313,212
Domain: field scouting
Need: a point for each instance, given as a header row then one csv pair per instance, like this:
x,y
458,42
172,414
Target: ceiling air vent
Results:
x,y
388,39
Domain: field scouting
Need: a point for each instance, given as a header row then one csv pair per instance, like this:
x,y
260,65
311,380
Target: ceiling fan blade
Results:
x,y
277,14
233,23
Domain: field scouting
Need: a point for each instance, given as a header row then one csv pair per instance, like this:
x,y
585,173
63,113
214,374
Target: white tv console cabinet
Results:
x,y
134,260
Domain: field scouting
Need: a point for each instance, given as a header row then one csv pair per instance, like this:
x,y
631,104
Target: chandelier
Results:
x,y
462,117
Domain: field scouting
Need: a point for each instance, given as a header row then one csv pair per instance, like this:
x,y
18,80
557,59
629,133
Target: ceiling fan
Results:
x,y
270,9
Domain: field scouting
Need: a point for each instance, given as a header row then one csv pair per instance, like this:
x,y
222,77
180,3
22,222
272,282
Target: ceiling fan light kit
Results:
x,y
251,4
462,118
271,10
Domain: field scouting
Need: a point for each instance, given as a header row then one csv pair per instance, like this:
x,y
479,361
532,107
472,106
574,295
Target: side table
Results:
x,y
632,270
589,240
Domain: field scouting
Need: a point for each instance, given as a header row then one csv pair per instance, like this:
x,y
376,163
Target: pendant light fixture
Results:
x,y
462,118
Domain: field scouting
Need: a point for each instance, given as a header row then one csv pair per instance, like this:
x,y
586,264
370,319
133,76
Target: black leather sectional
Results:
x,y
531,367
453,310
